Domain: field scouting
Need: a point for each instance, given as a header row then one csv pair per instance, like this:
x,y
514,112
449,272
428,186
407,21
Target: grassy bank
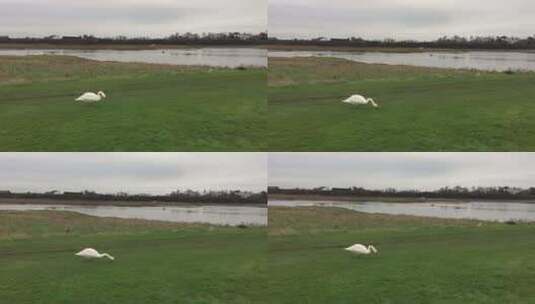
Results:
x,y
156,262
422,109
149,107
420,260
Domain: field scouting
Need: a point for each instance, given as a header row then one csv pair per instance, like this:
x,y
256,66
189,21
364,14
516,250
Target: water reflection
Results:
x,y
215,57
217,215
479,60
487,211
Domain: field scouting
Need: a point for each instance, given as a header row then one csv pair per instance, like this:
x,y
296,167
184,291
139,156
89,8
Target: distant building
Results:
x,y
52,37
340,40
341,190
273,189
71,38
514,190
216,36
73,193
245,36
263,36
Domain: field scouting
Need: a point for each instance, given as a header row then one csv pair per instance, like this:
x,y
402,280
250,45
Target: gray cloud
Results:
x,y
401,170
400,19
155,18
132,172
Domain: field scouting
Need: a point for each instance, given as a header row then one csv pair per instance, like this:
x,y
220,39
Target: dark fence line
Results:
x,y
506,193
232,197
495,44
489,43
135,42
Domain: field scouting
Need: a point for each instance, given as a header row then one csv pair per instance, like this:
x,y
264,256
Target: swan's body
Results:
x,y
91,97
361,249
360,100
90,253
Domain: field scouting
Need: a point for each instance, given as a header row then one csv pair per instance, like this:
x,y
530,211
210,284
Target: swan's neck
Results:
x,y
372,102
108,256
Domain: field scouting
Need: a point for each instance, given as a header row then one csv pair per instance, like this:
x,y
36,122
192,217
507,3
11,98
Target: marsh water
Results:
x,y
215,57
487,211
217,215
479,60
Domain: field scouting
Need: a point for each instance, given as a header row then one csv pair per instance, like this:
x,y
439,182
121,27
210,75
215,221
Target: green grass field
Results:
x,y
422,109
149,107
155,262
420,260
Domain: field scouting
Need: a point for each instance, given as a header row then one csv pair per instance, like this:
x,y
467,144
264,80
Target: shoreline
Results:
x,y
355,49
398,200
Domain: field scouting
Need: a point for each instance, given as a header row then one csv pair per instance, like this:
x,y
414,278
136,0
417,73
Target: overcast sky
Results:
x,y
400,19
132,172
154,18
422,171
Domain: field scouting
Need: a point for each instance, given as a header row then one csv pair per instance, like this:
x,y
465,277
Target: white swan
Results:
x,y
91,97
361,249
360,100
90,253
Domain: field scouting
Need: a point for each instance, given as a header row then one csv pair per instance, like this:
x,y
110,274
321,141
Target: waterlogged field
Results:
x,y
422,109
149,107
155,262
420,260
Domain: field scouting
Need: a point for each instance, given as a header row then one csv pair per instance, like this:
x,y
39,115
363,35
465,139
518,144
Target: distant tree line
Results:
x,y
446,42
178,196
230,38
458,192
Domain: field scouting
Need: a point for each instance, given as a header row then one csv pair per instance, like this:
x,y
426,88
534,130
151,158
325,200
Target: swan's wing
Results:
x,y
88,251
88,97
83,96
357,247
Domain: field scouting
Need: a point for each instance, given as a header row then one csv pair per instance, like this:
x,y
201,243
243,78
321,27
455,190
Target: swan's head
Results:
x,y
370,100
373,249
101,94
